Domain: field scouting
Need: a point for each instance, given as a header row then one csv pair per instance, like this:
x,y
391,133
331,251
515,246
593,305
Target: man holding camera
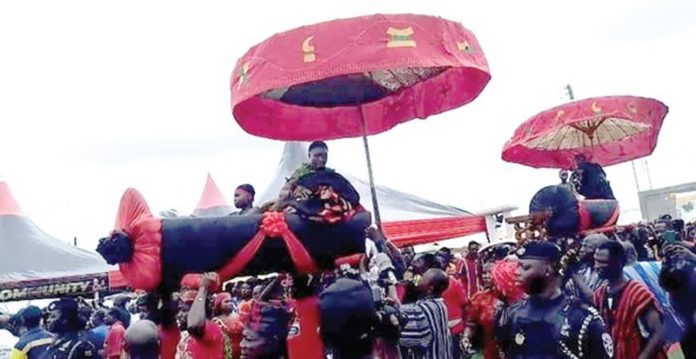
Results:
x,y
584,278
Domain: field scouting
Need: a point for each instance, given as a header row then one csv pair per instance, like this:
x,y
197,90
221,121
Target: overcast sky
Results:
x,y
99,96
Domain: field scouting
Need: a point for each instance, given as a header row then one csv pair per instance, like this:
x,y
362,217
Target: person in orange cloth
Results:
x,y
245,305
500,288
456,302
468,268
229,323
115,343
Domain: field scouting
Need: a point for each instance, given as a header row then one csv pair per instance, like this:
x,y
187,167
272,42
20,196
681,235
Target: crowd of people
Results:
x,y
502,301
628,294
123,326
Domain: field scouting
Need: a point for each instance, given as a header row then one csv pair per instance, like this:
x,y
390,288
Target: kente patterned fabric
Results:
x,y
622,322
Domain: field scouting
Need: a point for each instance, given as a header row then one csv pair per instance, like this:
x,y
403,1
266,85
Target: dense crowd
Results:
x,y
437,305
430,305
626,294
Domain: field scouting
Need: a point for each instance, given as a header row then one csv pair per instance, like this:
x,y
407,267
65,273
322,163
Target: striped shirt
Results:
x,y
467,269
426,334
648,274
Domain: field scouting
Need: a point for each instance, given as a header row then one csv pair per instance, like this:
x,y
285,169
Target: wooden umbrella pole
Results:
x,y
373,191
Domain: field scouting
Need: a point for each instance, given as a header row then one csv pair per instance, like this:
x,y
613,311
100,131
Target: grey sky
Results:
x,y
99,96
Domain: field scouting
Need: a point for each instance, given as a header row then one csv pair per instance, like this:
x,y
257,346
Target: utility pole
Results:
x,y
647,170
569,92
75,241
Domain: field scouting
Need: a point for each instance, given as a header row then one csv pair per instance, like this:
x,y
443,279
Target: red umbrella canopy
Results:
x,y
606,130
319,82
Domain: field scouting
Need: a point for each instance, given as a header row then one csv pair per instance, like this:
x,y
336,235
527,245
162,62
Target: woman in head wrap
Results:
x,y
228,321
500,289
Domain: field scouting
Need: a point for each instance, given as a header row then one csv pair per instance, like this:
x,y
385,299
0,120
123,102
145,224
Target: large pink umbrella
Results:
x,y
606,130
356,77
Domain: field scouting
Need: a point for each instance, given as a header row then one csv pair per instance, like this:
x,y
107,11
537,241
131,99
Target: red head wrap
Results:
x,y
504,276
219,298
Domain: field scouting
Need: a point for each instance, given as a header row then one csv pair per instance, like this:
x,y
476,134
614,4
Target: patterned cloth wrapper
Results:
x,y
324,196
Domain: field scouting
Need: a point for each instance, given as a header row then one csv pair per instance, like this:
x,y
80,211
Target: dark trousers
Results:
x,y
688,343
456,348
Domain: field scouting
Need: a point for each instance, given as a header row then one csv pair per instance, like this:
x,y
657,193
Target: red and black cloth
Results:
x,y
622,320
154,252
324,197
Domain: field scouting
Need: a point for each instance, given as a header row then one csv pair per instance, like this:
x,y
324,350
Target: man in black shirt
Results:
x,y
64,321
593,180
548,324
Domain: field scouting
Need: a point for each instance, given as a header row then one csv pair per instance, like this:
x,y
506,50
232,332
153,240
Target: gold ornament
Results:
x,y
519,338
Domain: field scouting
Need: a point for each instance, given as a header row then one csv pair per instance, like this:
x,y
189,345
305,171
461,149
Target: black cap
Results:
x,y
65,305
541,250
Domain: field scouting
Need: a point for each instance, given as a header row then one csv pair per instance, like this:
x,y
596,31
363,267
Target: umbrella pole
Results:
x,y
373,191
635,176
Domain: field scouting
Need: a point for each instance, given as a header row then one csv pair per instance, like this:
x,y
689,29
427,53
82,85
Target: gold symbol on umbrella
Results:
x,y
243,74
596,109
464,46
632,108
308,50
400,37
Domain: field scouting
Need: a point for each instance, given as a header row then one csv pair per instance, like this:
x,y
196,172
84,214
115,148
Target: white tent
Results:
x,y
31,253
394,205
